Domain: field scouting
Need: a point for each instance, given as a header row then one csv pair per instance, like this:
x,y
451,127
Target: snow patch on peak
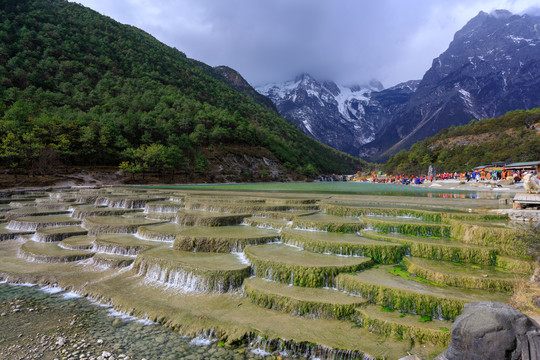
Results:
x,y
517,39
280,91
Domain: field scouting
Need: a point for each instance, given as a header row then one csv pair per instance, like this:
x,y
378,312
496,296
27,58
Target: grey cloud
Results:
x,y
349,41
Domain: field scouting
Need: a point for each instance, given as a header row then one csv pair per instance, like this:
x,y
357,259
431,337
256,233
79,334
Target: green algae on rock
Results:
x,y
382,252
330,223
52,253
298,267
199,272
135,268
57,233
403,326
97,225
301,301
409,296
440,248
463,275
222,238
205,218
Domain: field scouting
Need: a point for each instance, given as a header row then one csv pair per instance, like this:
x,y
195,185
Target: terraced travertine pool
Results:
x,y
325,275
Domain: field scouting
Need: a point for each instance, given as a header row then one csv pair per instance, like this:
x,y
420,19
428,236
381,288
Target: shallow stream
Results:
x,y
56,314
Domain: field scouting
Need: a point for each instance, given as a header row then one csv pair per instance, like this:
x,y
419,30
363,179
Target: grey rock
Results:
x,y
495,331
60,341
412,357
491,67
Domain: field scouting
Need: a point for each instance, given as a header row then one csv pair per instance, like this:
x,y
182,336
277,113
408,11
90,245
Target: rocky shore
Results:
x,y
46,327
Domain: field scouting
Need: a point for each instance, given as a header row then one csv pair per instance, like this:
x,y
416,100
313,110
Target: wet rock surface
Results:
x,y
35,325
490,330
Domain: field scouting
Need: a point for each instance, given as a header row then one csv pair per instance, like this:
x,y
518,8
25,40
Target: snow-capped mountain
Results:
x,y
492,66
331,113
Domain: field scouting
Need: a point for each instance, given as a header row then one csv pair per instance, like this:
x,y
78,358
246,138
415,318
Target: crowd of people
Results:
x,y
478,175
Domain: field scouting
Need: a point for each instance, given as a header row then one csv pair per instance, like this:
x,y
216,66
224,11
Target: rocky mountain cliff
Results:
x,y
344,117
492,66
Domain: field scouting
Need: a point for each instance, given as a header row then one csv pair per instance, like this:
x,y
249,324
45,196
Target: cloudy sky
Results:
x,y
349,41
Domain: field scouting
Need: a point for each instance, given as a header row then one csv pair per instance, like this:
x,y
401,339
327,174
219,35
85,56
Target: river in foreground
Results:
x,y
47,323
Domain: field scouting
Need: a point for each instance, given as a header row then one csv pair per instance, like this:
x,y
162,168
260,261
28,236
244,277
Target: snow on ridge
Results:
x,y
278,90
346,95
518,39
466,96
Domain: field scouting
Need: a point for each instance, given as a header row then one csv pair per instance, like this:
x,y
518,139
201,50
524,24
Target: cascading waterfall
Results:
x,y
204,338
22,226
288,348
112,249
53,259
162,208
184,281
143,234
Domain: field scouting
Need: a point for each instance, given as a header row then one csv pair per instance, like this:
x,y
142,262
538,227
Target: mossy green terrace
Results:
x,y
309,270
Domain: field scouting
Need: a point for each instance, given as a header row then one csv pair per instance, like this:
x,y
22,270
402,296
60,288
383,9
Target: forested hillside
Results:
x,y
513,137
78,88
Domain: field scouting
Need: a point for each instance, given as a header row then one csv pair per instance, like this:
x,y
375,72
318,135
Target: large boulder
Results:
x,y
491,330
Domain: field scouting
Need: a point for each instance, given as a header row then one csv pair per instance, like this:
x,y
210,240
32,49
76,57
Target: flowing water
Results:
x,y
56,314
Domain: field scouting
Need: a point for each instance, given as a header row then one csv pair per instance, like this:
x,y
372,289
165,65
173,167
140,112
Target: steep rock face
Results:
x,y
344,117
233,78
492,66
490,330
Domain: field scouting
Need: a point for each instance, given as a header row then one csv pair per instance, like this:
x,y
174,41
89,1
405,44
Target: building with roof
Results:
x,y
516,166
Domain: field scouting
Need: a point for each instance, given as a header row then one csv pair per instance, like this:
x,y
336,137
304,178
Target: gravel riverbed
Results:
x,y
36,325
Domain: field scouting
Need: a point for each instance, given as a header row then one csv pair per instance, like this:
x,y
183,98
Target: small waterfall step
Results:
x,y
466,276
109,261
192,272
22,203
345,244
413,295
82,211
292,200
33,223
153,216
406,226
403,326
292,265
57,233
205,218
418,211
516,264
32,211
121,244
52,253
82,242
8,234
129,202
250,208
161,232
55,205
206,198
330,223
163,207
222,238
315,303
267,222
97,225
439,248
